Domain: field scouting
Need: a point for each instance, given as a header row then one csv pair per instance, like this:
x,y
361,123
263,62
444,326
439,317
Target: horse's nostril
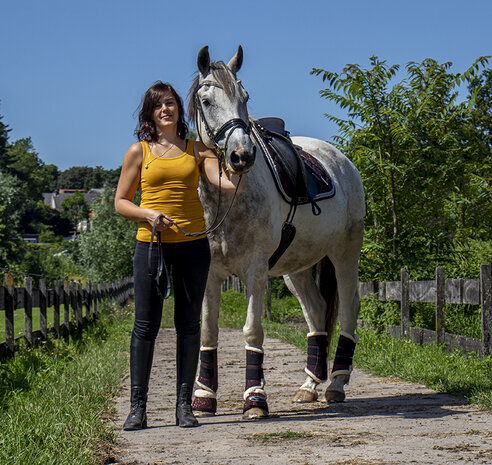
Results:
x,y
235,158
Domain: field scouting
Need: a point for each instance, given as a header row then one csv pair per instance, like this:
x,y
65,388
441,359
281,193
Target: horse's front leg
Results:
x,y
255,398
205,402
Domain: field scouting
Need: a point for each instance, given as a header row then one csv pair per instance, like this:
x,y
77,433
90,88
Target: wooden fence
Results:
x,y
81,304
440,291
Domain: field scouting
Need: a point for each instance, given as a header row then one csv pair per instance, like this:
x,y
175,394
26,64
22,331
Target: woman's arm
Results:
x,y
127,186
209,166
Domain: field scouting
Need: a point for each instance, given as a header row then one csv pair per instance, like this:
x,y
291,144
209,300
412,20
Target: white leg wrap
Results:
x,y
309,385
317,333
255,390
204,391
208,348
254,349
312,376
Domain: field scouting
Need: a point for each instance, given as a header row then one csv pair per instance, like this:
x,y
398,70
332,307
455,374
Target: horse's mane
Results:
x,y
222,75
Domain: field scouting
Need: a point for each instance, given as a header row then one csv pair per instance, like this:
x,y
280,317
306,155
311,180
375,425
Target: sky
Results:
x,y
73,73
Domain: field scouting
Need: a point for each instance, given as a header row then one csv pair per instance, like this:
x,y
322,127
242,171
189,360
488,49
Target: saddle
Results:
x,y
299,177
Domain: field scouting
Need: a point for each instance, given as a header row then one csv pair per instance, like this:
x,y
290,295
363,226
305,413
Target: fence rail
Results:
x,y
81,304
440,291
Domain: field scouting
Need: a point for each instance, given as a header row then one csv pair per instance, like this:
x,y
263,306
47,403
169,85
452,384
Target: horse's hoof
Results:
x,y
255,413
203,413
334,396
304,396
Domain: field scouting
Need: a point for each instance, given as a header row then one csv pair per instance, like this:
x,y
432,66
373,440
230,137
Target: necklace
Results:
x,y
160,156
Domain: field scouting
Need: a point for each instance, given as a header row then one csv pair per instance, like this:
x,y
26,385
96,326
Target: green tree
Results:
x,y
409,142
4,137
106,247
10,200
75,208
87,177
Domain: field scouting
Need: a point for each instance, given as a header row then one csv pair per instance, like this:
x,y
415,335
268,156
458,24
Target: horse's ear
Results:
x,y
236,61
203,60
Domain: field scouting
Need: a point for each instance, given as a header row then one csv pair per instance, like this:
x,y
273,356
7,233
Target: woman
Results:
x,y
167,167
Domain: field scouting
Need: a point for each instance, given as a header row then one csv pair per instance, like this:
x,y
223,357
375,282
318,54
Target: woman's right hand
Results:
x,y
164,222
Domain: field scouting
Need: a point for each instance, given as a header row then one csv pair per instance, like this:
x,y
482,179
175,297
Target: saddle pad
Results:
x,y
319,183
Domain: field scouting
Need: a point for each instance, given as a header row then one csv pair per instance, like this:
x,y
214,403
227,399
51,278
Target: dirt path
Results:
x,y
383,421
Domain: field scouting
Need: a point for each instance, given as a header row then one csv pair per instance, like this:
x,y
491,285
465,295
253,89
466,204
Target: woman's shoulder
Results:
x,y
135,152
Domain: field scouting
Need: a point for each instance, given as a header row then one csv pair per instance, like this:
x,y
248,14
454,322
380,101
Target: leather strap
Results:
x,y
161,264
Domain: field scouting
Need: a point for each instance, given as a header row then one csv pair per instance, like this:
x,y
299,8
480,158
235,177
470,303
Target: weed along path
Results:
x,y
383,421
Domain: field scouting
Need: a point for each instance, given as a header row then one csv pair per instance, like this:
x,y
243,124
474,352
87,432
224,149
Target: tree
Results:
x,y
4,137
106,248
75,208
409,143
87,177
10,201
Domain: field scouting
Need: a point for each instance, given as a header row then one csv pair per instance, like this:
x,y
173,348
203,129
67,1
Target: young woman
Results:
x,y
167,167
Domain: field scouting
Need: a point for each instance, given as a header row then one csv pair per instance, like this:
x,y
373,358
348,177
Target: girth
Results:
x,y
299,177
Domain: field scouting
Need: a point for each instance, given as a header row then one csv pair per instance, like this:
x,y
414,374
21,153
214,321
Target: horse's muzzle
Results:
x,y
240,160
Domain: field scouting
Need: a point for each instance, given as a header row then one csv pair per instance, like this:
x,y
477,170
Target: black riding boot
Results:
x,y
141,354
187,352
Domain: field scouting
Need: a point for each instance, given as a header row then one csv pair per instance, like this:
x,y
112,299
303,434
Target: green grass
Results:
x,y
54,398
36,324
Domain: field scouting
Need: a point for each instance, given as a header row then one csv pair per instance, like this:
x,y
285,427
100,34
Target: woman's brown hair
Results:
x,y
146,127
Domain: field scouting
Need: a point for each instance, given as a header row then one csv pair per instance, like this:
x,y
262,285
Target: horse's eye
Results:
x,y
205,102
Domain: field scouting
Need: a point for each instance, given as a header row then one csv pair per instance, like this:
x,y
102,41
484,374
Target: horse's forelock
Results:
x,y
219,73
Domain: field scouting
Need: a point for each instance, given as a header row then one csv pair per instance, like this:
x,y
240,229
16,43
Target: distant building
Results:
x,y
54,200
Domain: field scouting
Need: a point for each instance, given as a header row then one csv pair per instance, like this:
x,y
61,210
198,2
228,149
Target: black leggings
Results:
x,y
188,264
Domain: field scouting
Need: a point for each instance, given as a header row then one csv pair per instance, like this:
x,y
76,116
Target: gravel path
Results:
x,y
383,421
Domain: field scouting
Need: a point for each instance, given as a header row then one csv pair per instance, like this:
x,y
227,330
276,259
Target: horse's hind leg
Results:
x,y
348,310
205,402
314,307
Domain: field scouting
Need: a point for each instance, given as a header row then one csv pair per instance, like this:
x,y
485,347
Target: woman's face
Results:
x,y
166,112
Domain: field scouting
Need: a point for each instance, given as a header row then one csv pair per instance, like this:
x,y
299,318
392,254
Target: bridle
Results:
x,y
232,124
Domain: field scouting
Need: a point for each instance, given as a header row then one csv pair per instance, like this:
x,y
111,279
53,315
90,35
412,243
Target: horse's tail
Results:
x,y
327,283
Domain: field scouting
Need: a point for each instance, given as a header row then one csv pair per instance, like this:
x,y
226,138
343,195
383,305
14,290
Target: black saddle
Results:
x,y
299,177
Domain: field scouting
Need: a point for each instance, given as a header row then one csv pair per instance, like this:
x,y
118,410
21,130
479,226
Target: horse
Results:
x,y
244,241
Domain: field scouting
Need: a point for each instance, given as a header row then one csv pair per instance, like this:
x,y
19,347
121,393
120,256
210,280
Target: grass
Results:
x,y
36,324
54,397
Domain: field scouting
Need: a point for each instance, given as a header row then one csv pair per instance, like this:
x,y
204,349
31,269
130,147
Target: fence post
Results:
x,y
486,306
66,306
28,310
404,304
77,299
440,304
56,307
9,305
43,322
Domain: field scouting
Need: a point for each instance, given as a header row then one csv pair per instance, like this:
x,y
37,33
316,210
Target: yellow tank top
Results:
x,y
170,185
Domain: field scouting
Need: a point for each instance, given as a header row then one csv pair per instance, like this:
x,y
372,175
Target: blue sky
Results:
x,y
73,73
